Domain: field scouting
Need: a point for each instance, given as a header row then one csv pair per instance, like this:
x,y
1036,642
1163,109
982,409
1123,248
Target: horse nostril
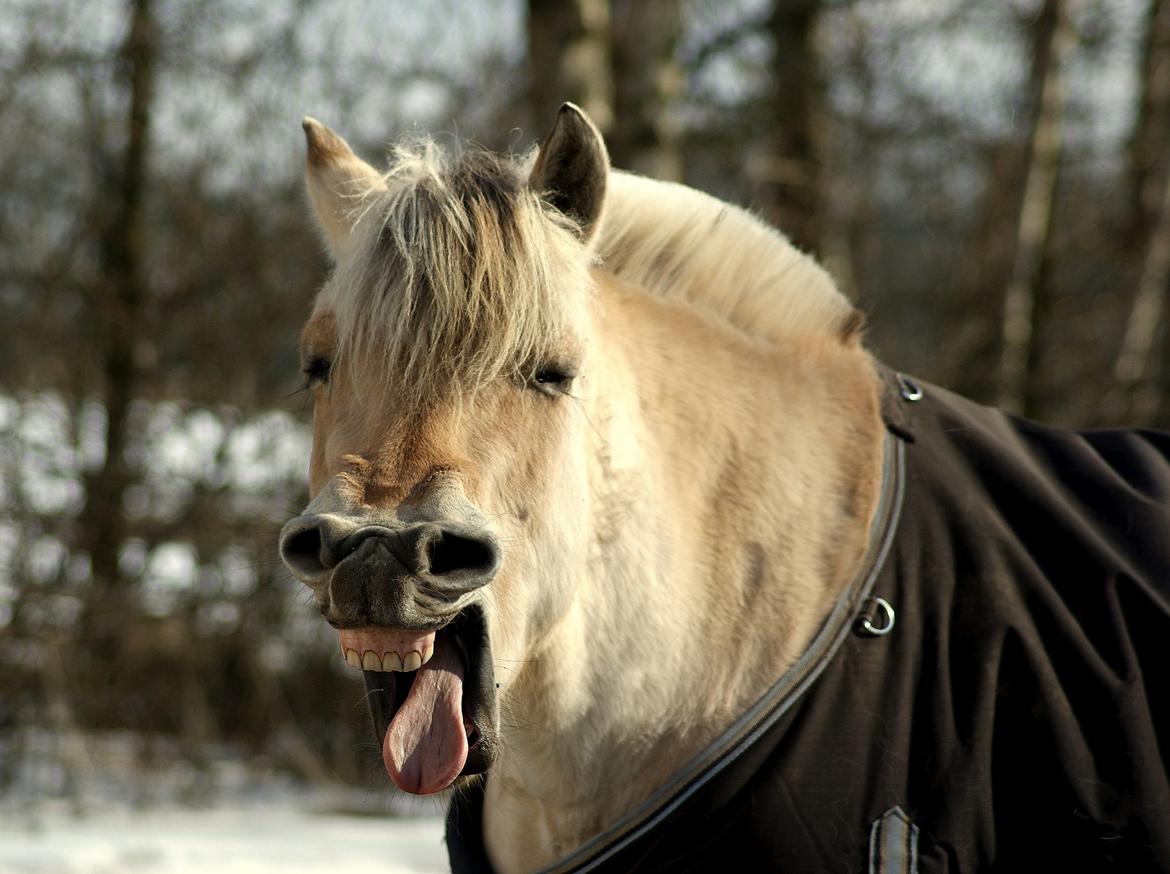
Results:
x,y
301,551
451,553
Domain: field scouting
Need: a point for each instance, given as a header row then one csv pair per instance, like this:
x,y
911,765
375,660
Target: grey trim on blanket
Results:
x,y
744,732
893,844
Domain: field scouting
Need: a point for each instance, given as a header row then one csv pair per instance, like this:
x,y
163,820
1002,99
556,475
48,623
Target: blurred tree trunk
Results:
x,y
1137,397
1027,301
569,56
647,80
1138,367
972,309
792,196
1149,144
118,302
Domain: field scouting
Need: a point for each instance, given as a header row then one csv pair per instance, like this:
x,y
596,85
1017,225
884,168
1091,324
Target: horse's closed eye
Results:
x,y
553,379
316,370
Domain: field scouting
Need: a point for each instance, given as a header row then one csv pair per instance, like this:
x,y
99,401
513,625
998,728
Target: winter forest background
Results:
x,y
989,180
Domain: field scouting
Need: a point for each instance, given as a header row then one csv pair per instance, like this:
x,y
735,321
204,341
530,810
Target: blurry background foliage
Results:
x,y
988,180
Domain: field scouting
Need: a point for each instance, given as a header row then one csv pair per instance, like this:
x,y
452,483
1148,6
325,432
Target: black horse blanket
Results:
x,y
1015,718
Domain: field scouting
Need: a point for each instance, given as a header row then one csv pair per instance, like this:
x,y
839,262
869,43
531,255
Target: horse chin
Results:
x,y
467,635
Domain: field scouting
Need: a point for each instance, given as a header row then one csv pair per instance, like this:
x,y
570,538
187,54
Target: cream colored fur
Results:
x,y
674,532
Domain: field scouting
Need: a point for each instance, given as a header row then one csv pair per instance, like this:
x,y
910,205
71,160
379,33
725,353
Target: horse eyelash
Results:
x,y
554,379
316,370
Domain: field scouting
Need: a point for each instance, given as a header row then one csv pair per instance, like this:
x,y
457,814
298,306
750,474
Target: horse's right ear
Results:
x,y
572,168
338,181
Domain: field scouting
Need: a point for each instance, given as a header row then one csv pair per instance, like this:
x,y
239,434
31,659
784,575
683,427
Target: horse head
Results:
x,y
443,355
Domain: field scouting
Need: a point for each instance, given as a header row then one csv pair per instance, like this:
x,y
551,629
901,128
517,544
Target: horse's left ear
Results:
x,y
572,168
338,181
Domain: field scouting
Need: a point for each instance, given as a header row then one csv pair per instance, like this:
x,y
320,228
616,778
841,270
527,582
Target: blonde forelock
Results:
x,y
459,275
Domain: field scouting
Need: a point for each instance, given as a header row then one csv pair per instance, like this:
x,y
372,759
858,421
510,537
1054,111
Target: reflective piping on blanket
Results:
x,y
893,844
775,702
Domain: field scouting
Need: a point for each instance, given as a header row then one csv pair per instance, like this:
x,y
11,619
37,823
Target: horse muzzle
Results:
x,y
398,595
411,576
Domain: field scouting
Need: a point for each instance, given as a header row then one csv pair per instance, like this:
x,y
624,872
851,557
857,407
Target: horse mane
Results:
x,y
464,273
680,243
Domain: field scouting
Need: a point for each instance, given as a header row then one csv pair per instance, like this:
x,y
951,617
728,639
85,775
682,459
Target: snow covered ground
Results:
x,y
101,810
229,840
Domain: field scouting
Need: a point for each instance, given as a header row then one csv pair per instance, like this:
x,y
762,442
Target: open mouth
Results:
x,y
432,699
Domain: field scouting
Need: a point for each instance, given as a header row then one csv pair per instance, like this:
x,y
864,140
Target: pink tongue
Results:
x,y
426,745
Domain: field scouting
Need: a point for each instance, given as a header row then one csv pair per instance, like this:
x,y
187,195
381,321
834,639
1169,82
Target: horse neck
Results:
x,y
733,483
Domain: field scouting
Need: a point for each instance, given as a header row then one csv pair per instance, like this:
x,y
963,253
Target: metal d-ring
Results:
x,y
910,390
876,608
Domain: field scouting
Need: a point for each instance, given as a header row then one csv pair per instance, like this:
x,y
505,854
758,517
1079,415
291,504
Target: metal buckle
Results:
x,y
909,389
875,610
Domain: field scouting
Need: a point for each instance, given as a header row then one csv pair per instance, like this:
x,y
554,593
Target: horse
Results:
x,y
641,550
